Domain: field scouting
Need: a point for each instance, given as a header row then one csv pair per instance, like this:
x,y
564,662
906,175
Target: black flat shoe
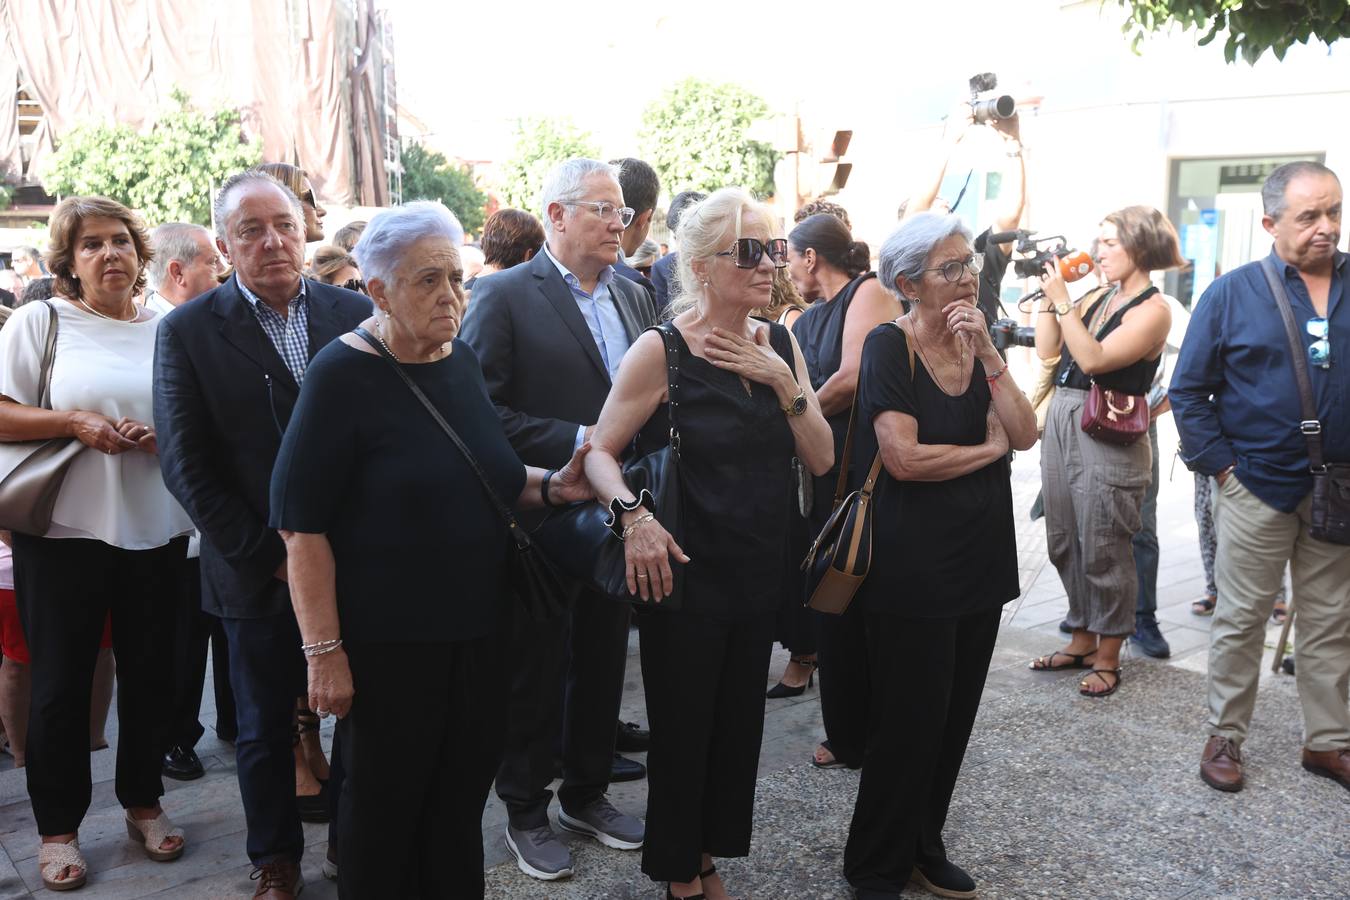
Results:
x,y
313,808
181,763
632,738
625,769
943,879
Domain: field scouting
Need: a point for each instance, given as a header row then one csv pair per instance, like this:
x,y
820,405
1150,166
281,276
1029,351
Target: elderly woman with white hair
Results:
x,y
937,404
396,557
745,409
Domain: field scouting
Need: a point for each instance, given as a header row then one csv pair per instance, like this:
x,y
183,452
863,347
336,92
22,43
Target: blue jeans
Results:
x,y
1145,542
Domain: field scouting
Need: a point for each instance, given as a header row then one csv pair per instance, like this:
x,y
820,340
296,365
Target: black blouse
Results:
x,y
1136,378
939,548
420,550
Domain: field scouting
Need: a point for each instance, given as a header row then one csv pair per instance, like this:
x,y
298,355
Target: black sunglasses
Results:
x,y
747,252
355,284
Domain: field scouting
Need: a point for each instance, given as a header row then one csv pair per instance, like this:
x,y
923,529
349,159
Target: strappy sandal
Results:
x,y
151,833
1101,676
1046,663
711,870
1204,606
55,858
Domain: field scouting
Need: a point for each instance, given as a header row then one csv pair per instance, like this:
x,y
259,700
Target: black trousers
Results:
x,y
927,678
195,630
65,587
267,673
586,650
704,681
845,683
420,747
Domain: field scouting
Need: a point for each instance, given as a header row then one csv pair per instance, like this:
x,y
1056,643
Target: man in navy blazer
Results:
x,y
549,334
641,187
228,369
666,270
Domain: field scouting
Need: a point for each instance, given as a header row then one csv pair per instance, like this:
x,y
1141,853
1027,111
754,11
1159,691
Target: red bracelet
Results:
x,y
996,376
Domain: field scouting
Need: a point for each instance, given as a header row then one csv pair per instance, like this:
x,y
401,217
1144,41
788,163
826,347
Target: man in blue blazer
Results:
x,y
666,270
228,369
641,187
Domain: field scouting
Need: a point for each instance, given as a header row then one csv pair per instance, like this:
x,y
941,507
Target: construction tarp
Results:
x,y
298,72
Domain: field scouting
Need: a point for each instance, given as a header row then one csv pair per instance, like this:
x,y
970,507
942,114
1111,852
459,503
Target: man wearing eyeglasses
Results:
x,y
550,334
1238,412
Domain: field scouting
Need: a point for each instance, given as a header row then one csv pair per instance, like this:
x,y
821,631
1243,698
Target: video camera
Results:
x,y
1037,251
990,108
1008,333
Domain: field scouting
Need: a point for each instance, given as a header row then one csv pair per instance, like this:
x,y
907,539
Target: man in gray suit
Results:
x,y
549,334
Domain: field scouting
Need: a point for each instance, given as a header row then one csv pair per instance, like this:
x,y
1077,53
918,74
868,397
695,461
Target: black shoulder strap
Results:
x,y
518,534
1310,426
670,338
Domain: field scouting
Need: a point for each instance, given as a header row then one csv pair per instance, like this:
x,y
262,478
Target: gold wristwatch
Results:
x,y
1063,309
797,405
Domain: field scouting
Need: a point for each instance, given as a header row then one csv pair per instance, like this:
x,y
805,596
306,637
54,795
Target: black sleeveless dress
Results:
x,y
736,452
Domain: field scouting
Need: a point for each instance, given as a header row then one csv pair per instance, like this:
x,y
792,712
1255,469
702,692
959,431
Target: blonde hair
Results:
x,y
707,228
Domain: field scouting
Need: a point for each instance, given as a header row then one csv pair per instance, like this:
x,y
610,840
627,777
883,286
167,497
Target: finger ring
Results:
x,y
644,576
322,713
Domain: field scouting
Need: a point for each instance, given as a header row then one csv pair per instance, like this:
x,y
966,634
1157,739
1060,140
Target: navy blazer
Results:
x,y
223,397
665,280
540,362
636,277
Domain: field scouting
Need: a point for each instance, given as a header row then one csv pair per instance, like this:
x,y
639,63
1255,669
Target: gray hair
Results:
x,y
1273,200
221,209
567,181
906,251
172,240
392,231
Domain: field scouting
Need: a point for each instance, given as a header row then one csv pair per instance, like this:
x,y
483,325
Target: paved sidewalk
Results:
x,y
1061,796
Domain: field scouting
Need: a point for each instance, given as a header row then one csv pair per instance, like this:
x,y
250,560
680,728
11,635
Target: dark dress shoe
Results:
x,y
1333,764
182,764
277,880
632,738
1149,639
313,808
1221,764
943,878
625,769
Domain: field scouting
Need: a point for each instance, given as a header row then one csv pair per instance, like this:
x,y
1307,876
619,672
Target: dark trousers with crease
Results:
x,y
195,630
704,681
410,822
845,682
927,678
585,650
65,587
267,672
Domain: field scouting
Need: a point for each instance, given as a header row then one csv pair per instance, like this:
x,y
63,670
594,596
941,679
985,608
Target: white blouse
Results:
x,y
103,366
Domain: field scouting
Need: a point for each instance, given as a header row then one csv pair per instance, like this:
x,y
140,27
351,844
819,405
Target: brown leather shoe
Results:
x,y
1333,764
278,880
1221,764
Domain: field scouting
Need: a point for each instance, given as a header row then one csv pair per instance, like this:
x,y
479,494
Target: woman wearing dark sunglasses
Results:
x,y
745,409
1094,490
296,179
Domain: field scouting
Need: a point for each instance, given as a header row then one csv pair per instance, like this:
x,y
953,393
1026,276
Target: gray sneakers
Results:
x,y
606,824
539,853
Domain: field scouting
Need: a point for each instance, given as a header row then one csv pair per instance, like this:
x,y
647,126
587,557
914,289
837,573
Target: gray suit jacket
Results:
x,y
542,367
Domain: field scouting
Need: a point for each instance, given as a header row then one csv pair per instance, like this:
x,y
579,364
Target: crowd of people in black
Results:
x,y
320,472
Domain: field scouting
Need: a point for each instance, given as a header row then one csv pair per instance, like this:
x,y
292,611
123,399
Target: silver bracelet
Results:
x,y
319,648
633,526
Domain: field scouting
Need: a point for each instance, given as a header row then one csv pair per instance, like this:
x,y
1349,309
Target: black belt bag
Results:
x,y
1330,511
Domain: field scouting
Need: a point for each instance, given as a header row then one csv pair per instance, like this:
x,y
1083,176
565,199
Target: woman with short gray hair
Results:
x,y
396,558
936,408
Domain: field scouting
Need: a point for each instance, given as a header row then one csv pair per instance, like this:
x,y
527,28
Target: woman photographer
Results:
x,y
1094,490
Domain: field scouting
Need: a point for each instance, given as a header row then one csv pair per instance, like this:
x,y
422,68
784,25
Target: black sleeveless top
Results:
x,y
820,334
736,452
1136,378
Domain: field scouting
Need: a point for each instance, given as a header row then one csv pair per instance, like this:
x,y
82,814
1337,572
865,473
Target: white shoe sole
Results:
x,y
576,826
531,870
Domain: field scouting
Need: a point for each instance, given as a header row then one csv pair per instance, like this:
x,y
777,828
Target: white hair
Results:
x,y
221,209
707,228
393,231
170,241
906,251
567,181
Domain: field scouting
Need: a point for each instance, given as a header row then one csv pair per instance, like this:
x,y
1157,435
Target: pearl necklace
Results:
x,y
379,337
134,312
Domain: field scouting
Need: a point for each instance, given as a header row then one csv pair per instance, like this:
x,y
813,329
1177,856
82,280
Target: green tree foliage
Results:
x,y
541,143
1252,26
168,172
428,175
694,136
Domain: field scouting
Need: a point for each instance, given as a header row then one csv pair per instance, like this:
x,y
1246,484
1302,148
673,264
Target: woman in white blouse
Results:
x,y
117,539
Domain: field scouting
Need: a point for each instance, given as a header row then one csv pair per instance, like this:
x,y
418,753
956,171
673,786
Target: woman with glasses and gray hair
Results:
x,y
1094,490
936,403
745,409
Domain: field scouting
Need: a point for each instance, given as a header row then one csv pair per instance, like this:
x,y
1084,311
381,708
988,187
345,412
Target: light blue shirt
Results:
x,y
602,318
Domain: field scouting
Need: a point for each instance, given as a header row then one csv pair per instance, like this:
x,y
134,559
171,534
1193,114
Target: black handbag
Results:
x,y
540,593
580,539
1330,510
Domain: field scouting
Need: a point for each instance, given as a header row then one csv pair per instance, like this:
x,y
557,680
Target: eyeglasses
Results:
x,y
1319,351
606,210
307,198
953,270
355,284
747,252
